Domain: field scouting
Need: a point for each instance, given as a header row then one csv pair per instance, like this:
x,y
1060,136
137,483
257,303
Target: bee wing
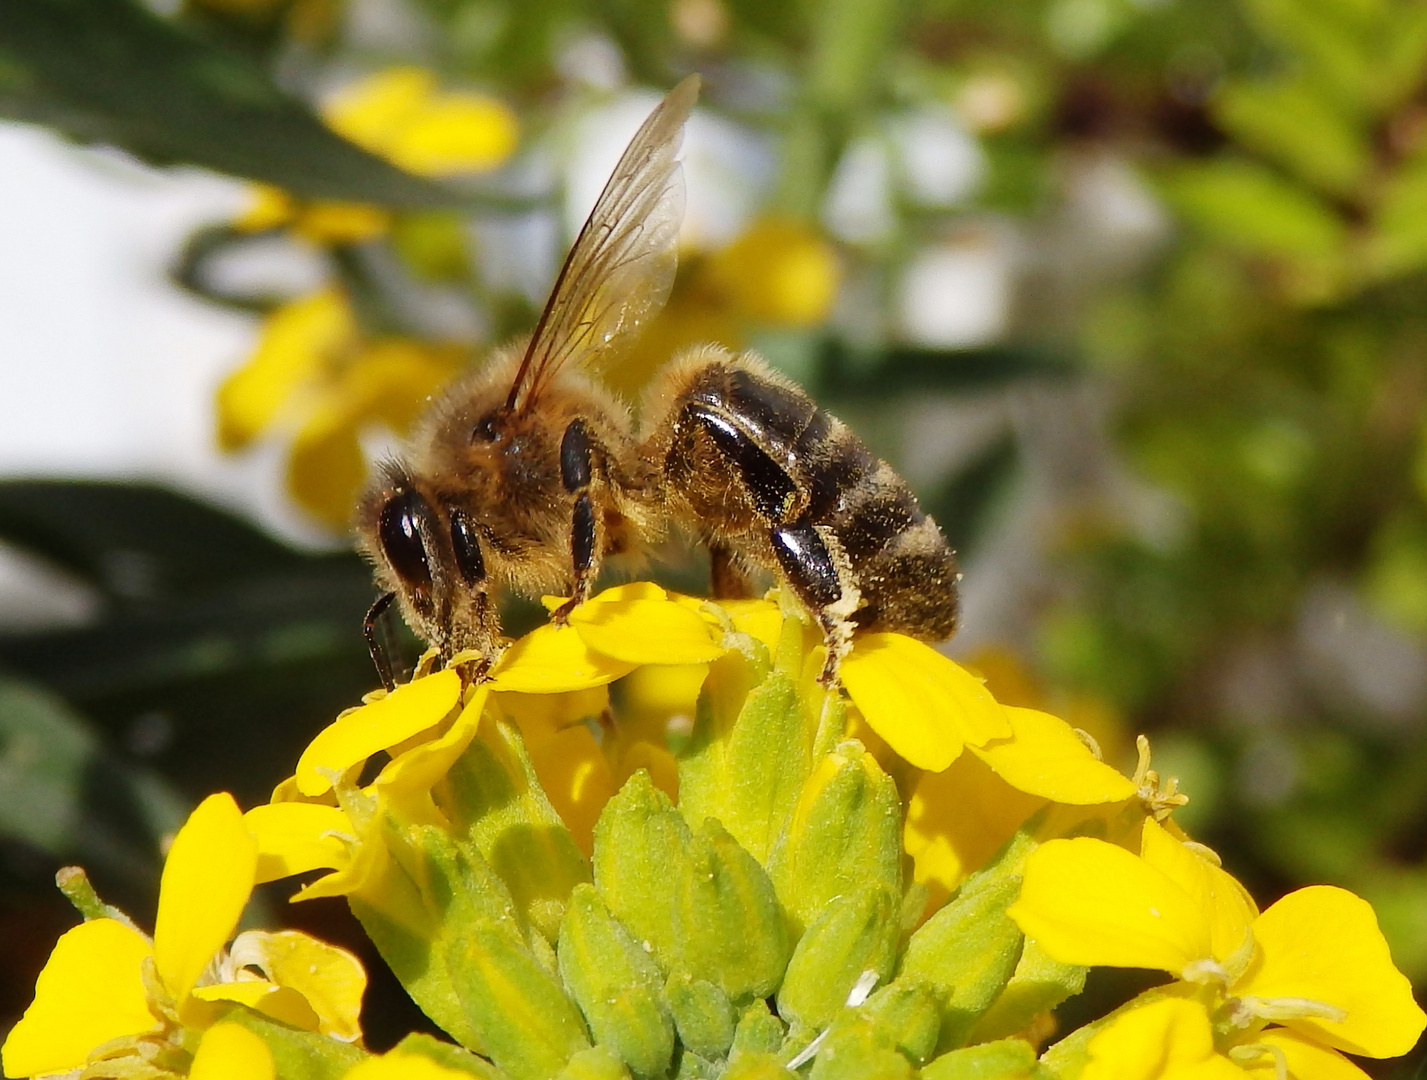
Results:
x,y
619,271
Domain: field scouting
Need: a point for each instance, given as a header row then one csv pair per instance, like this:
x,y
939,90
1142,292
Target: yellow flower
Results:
x,y
108,989
400,115
317,377
959,818
1314,963
778,272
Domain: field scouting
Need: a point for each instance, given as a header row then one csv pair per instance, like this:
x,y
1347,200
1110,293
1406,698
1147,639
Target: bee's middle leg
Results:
x,y
577,474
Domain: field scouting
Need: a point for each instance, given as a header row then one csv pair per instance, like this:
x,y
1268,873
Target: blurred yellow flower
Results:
x,y
398,114
778,273
318,378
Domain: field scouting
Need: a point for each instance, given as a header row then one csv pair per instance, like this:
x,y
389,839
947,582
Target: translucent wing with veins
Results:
x,y
619,271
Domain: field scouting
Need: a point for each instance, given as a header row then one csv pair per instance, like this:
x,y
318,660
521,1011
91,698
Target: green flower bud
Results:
x,y
297,1054
749,753
908,1011
641,849
967,952
844,836
596,1063
727,918
452,1057
758,1031
702,1013
855,933
1009,1059
494,798
525,1022
857,1048
1039,985
757,1066
616,984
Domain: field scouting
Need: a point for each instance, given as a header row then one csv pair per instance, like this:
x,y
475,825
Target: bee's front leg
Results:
x,y
577,454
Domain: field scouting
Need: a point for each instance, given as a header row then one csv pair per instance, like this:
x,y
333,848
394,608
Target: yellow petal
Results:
x,y
552,660
270,208
279,1002
372,111
543,716
1170,1039
232,1052
295,343
759,619
415,707
415,770
576,777
455,133
926,706
779,272
1045,757
397,1065
958,818
207,877
646,631
295,837
89,992
331,980
1306,1060
1084,901
1225,903
328,222
326,464
1323,943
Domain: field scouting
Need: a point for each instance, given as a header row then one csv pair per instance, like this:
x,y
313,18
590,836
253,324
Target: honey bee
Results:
x,y
529,474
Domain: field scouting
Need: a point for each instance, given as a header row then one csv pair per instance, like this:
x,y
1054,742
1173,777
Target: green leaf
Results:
x,y
1399,239
45,753
110,71
1297,124
1250,208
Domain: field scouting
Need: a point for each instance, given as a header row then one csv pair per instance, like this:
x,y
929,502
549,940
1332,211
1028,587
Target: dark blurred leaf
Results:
x,y
136,541
844,372
963,507
110,71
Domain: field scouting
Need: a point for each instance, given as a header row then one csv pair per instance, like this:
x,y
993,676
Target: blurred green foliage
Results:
x,y
1205,509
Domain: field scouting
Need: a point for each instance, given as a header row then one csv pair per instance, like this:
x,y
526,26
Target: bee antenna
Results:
x,y
376,643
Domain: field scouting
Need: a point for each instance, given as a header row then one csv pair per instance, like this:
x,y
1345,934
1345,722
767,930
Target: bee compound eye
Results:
x,y
400,530
466,546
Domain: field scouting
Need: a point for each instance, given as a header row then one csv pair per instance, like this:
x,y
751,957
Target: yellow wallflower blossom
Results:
x,y
316,378
398,114
1314,963
959,818
109,990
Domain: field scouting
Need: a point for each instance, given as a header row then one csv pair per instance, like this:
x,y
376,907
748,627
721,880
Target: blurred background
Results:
x,y
1134,292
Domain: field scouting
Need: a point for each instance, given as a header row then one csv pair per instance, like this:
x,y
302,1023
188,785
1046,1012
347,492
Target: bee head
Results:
x,y
429,554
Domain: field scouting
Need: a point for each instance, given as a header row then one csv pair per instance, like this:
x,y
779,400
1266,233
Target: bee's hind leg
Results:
x,y
819,572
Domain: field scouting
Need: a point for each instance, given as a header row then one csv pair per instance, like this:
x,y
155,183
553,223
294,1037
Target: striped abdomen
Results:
x,y
783,484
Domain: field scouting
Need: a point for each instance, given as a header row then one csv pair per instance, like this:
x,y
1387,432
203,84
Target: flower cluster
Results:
x,y
325,370
651,844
